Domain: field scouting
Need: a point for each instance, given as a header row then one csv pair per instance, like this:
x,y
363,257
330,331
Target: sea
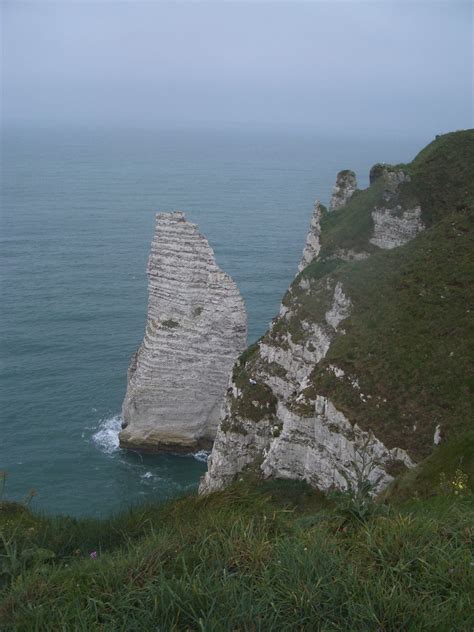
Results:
x,y
78,208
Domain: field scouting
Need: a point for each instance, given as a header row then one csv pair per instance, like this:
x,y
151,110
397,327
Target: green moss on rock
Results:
x,y
256,401
170,323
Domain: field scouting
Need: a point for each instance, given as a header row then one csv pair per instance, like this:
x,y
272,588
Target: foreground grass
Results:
x,y
275,557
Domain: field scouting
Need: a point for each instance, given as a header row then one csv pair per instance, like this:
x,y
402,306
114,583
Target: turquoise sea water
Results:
x,y
77,219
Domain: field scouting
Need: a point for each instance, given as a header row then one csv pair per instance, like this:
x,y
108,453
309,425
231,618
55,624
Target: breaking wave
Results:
x,y
202,456
106,438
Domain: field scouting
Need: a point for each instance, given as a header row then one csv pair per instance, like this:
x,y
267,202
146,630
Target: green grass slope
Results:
x,y
272,557
442,176
410,339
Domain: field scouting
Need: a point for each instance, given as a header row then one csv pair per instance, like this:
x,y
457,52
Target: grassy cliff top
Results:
x,y
409,341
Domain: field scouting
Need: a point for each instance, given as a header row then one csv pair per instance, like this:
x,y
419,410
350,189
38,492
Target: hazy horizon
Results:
x,y
340,67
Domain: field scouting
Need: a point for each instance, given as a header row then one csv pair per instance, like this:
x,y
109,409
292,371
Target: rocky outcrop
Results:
x,y
394,225
346,184
348,255
196,327
323,448
313,244
376,172
392,176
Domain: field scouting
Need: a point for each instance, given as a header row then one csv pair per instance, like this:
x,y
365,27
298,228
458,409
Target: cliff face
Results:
x,y
350,376
196,327
394,225
313,238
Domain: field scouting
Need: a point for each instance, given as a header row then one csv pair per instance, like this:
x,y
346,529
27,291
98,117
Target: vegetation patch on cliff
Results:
x,y
170,323
409,340
256,400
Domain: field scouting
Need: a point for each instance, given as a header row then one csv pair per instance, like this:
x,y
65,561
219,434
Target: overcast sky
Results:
x,y
363,66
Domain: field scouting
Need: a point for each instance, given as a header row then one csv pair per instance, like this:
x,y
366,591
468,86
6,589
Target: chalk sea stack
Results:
x,y
196,328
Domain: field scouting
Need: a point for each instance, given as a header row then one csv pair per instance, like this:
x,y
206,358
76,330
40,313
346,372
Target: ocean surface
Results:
x,y
77,218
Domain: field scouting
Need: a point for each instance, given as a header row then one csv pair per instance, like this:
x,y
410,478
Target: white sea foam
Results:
x,y
153,479
202,455
106,438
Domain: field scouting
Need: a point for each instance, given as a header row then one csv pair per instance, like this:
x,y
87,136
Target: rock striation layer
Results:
x,y
346,184
196,327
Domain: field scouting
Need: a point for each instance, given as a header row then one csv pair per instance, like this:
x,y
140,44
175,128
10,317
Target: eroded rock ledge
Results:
x,y
196,327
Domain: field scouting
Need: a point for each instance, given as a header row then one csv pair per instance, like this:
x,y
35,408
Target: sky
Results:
x,y
365,67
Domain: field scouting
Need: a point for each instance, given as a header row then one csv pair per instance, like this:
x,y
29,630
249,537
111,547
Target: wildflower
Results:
x,y
93,555
457,486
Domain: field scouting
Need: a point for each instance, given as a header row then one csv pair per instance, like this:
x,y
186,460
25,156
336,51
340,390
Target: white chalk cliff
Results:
x,y
313,245
196,328
274,422
393,224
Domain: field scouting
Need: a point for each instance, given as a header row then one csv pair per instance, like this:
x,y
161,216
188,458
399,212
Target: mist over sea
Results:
x,y
77,220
